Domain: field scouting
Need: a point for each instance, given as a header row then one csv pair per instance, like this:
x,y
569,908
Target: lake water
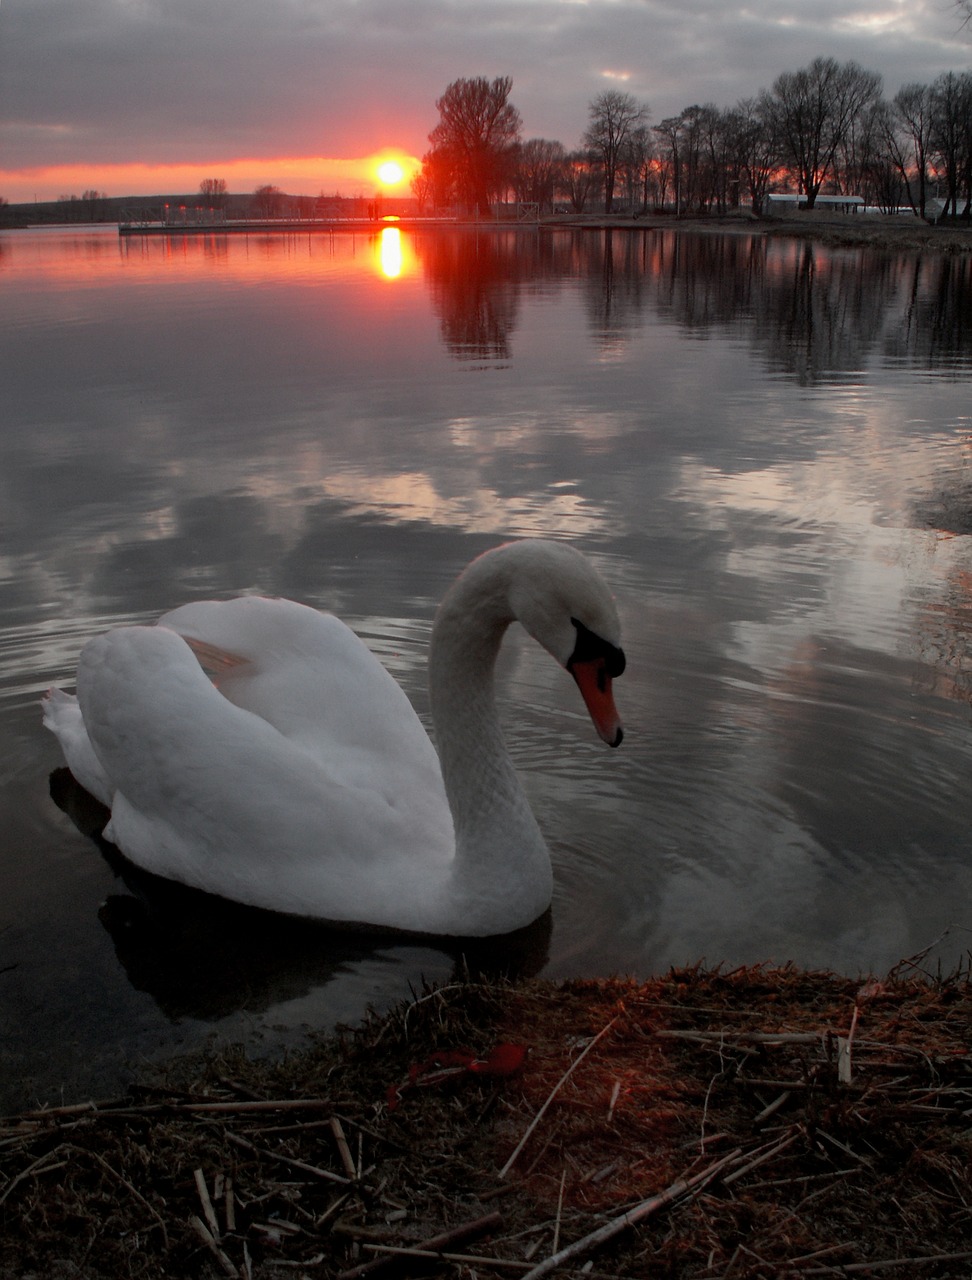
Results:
x,y
766,446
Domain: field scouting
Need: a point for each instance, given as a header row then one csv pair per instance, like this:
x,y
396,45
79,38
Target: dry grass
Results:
x,y
758,1123
875,231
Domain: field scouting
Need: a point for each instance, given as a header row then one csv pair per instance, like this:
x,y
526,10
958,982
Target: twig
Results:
x,y
125,1183
594,1240
435,1247
560,1209
818,1253
766,1154
433,995
43,1113
396,1252
244,1105
841,1146
885,1264
119,1108
773,1107
36,1167
553,1093
745,1037
312,1169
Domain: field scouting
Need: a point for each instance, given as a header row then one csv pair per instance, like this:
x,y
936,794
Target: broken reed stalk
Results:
x,y
344,1151
119,1107
553,1093
595,1239
209,1213
742,1037
212,1245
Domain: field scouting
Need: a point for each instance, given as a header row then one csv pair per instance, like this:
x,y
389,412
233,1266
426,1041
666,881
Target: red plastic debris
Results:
x,y
502,1060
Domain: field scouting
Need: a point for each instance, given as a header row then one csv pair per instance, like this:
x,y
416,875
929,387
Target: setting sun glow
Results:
x,y
391,173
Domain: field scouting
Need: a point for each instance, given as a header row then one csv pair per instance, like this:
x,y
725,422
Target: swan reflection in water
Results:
x,y
200,956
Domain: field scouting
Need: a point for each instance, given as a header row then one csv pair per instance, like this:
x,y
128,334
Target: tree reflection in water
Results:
x,y
816,313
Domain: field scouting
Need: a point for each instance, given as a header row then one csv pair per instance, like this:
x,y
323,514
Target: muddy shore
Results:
x,y
745,1125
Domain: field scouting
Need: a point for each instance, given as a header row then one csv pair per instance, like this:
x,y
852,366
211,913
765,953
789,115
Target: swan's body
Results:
x,y
305,783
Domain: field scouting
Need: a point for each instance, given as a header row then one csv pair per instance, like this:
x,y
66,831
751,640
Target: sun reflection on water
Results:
x,y
390,253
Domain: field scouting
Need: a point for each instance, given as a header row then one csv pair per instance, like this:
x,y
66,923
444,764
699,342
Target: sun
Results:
x,y
390,172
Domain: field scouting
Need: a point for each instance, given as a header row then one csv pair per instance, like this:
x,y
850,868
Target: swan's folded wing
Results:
x,y
212,795
317,683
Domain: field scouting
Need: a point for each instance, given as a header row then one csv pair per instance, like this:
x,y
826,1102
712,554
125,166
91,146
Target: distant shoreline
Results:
x,y
878,231
838,230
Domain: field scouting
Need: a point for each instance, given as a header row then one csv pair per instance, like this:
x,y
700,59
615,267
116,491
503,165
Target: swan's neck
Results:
x,y
500,853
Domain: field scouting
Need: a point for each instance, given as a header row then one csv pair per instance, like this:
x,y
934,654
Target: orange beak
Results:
x,y
595,686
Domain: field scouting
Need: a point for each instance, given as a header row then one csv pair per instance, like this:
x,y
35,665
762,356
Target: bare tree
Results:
x,y
432,185
213,191
578,178
634,166
858,156
423,188
716,184
888,177
93,203
754,148
951,138
908,140
477,129
537,169
813,111
669,134
267,200
614,116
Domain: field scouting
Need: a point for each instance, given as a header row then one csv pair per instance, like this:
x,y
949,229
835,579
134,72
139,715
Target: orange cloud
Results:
x,y
297,175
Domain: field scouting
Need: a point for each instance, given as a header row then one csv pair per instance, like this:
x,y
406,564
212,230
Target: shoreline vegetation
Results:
x,y
707,1125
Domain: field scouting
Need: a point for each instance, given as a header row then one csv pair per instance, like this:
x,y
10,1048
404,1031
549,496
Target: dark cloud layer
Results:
x,y
165,81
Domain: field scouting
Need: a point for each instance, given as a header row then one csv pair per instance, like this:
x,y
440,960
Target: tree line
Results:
x,y
826,129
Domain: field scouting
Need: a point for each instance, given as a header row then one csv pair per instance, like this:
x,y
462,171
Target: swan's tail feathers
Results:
x,y
62,716
214,661
55,703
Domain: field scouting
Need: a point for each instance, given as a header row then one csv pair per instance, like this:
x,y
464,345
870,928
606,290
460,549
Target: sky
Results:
x,y
142,97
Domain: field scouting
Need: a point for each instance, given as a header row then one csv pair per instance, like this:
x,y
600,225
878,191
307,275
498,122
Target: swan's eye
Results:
x,y
590,647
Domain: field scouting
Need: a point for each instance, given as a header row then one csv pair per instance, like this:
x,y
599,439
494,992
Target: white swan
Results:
x,y
305,782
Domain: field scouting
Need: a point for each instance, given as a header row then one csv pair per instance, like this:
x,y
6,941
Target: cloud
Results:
x,y
95,82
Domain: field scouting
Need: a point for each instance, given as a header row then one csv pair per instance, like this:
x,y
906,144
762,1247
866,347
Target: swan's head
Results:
x,y
564,603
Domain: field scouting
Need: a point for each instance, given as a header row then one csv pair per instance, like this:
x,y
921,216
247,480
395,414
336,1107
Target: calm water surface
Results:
x,y
764,445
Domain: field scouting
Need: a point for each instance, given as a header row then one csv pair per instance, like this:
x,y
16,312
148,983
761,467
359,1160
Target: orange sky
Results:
x,y
297,175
